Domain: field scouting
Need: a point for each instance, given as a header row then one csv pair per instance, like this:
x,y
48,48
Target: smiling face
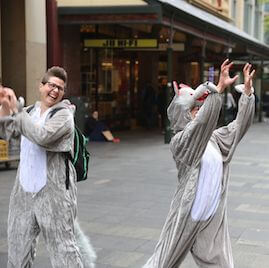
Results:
x,y
51,92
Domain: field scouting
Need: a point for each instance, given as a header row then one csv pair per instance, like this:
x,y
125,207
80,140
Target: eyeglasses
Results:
x,y
54,86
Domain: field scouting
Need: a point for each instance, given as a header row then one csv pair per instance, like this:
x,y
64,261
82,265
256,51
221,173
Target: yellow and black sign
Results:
x,y
121,43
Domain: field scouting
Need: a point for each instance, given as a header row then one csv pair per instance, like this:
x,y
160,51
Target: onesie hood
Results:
x,y
179,110
64,104
67,104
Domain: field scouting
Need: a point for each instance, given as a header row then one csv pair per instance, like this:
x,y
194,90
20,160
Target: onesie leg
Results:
x,y
23,232
56,219
212,247
61,244
177,237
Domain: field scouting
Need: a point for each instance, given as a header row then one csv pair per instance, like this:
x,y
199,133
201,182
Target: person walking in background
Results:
x,y
161,103
197,220
149,106
230,107
41,200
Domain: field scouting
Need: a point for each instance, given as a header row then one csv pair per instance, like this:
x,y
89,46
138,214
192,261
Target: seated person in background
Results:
x,y
97,130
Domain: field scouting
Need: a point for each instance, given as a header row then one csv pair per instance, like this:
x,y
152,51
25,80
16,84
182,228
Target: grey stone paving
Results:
x,y
123,205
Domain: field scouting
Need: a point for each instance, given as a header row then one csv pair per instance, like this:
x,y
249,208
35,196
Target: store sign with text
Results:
x,y
121,43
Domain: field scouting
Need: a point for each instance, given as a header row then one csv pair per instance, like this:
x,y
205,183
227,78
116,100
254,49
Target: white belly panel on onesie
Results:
x,y
33,160
209,185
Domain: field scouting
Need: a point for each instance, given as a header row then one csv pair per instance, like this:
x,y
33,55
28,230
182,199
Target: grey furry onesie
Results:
x,y
52,209
207,239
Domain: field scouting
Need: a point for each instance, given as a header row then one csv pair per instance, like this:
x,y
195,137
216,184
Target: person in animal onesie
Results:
x,y
40,201
197,220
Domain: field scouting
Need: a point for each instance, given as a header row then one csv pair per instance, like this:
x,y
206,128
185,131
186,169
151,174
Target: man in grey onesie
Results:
x,y
197,220
41,201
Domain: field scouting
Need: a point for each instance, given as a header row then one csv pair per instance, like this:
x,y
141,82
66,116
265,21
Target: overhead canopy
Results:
x,y
205,18
173,13
108,12
99,3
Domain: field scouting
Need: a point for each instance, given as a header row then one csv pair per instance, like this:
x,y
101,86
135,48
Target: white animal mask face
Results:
x,y
184,100
189,95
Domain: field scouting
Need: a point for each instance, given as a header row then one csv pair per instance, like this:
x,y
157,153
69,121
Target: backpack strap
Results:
x,y
67,180
51,114
30,108
54,111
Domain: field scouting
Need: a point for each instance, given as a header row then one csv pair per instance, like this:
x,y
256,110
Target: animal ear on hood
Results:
x,y
175,87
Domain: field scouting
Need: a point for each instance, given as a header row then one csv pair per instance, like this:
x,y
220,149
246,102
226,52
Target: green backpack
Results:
x,y
81,155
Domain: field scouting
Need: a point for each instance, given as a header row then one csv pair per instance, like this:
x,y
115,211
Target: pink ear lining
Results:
x,y
183,85
175,85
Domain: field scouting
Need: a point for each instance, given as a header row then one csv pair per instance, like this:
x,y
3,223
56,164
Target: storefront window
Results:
x,y
111,84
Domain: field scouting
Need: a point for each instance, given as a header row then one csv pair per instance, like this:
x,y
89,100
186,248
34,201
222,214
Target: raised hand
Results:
x,y
4,110
224,79
8,101
248,77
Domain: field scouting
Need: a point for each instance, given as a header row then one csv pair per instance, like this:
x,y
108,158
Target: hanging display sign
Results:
x,y
121,43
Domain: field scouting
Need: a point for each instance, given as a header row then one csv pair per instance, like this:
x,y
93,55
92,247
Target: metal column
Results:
x,y
261,94
167,134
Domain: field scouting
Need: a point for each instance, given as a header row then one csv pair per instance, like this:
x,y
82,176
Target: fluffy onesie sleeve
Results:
x,y
55,135
229,136
188,145
8,128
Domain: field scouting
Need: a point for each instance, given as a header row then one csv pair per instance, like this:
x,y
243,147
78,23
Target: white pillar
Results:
x,y
252,23
239,18
261,23
36,47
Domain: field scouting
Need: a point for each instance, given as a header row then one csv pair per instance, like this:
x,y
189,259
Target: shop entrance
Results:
x,y
110,81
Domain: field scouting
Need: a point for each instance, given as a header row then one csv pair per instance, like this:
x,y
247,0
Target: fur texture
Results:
x,y
86,250
241,87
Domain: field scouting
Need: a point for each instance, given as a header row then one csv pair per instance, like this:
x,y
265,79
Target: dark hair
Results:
x,y
56,71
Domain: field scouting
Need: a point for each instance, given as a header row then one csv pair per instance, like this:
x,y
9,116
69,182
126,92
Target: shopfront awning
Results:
x,y
179,14
216,24
108,12
99,3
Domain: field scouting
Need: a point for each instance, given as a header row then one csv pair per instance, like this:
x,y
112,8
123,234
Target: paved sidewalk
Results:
x,y
123,205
